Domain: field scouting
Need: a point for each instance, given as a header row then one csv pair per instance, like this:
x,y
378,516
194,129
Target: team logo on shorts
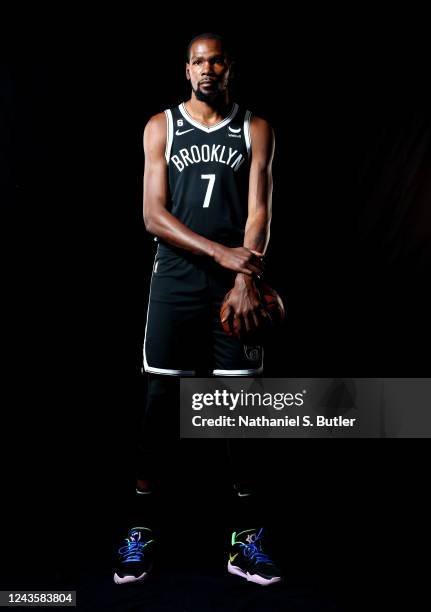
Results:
x,y
252,352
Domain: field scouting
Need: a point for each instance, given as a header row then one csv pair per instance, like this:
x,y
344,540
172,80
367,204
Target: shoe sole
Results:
x,y
130,579
237,571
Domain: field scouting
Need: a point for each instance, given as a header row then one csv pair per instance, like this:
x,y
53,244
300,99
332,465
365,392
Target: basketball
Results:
x,y
273,305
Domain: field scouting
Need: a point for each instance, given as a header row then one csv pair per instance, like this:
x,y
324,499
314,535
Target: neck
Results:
x,y
208,112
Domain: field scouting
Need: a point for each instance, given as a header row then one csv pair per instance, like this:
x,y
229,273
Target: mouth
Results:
x,y
207,81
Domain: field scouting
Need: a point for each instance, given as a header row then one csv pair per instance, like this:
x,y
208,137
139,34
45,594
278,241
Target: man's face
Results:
x,y
208,69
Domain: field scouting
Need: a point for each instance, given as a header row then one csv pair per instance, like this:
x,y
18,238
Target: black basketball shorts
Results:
x,y
183,333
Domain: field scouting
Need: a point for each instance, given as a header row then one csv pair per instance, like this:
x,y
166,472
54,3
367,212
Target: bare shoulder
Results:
x,y
262,139
155,133
261,127
156,122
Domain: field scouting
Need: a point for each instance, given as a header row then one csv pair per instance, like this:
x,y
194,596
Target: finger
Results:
x,y
256,319
232,326
230,329
247,324
252,321
229,320
228,312
238,325
245,271
254,269
259,263
268,317
264,314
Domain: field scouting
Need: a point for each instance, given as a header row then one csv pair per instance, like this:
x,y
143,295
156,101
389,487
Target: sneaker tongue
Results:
x,y
248,536
138,534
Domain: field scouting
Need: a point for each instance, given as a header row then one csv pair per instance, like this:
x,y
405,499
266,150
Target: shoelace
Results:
x,y
132,551
253,552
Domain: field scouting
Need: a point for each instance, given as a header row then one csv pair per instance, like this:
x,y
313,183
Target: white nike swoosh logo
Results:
x,y
235,131
178,133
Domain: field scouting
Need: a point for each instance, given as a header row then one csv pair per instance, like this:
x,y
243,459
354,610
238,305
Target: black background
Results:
x,y
349,253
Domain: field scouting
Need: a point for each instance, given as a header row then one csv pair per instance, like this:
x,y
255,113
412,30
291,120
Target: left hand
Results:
x,y
245,311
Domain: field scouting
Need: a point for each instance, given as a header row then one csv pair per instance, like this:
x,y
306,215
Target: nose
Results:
x,y
206,67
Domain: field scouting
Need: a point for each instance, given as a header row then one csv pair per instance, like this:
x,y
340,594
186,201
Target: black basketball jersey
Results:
x,y
209,173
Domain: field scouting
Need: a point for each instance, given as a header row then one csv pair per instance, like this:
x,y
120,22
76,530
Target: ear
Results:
x,y
187,72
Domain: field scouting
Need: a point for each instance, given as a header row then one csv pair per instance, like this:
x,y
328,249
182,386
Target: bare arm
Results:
x,y
160,222
257,229
245,299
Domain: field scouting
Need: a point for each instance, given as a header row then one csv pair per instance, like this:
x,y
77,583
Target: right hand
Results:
x,y
240,259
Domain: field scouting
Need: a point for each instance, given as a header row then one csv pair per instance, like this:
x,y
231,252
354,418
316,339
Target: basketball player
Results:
x,y
207,201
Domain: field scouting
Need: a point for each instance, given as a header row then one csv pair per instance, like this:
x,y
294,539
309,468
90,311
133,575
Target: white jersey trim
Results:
x,y
151,370
203,127
238,372
169,134
247,134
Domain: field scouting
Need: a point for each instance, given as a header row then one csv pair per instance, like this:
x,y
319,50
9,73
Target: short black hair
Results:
x,y
207,36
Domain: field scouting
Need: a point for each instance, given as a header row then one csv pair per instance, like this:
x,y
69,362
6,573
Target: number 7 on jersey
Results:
x,y
211,179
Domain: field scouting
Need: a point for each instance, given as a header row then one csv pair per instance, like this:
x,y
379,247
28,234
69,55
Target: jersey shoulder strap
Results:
x,y
169,132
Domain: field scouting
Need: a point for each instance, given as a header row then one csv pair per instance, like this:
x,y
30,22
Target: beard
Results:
x,y
211,96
